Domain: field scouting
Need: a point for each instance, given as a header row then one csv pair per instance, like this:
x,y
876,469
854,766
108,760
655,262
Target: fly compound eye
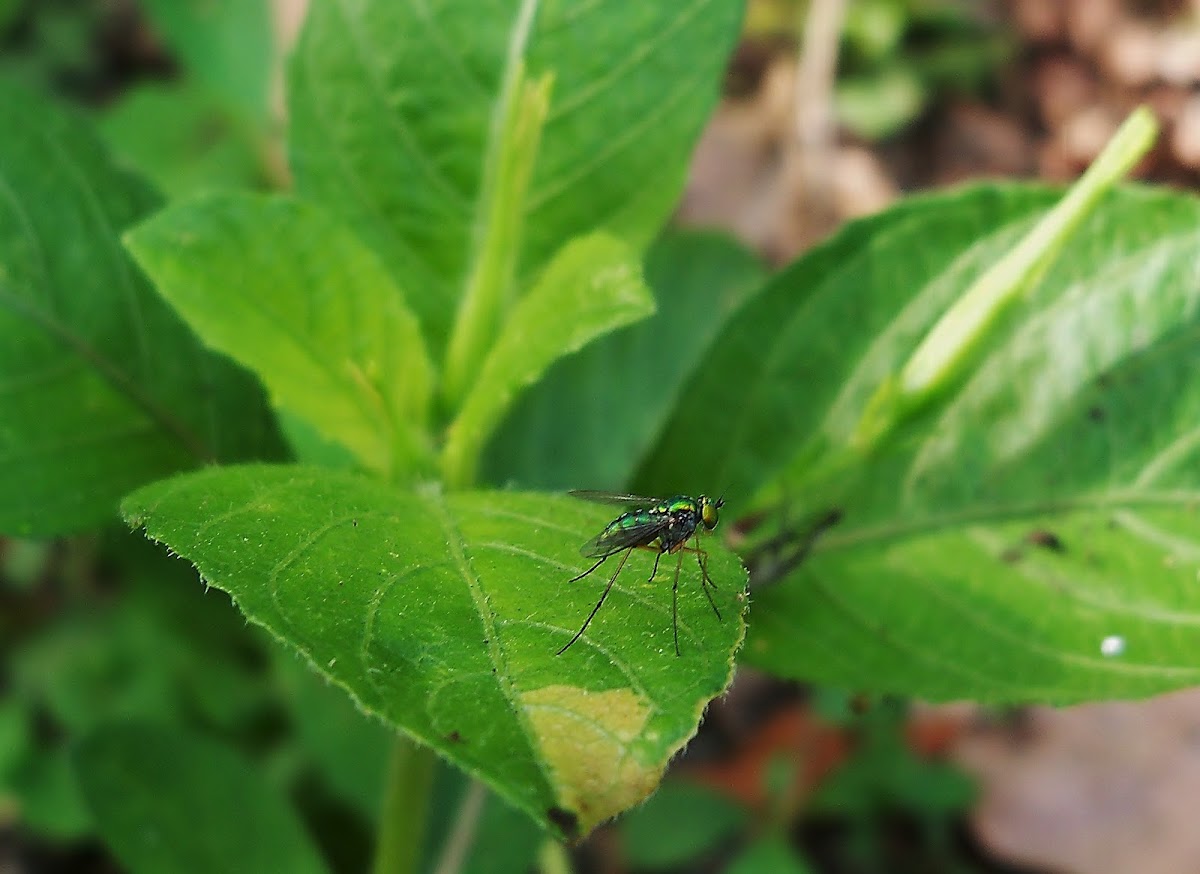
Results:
x,y
708,513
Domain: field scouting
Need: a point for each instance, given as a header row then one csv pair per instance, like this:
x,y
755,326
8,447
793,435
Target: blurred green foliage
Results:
x,y
53,45
182,86
681,823
883,788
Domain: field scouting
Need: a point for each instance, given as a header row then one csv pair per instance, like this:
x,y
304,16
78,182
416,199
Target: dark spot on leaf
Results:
x,y
1104,380
566,821
354,522
454,737
1046,540
1096,413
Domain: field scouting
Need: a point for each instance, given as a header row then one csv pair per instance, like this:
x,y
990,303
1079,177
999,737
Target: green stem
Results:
x,y
525,103
460,456
553,858
945,353
405,808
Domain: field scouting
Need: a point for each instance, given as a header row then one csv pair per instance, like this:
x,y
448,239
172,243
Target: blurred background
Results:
x,y
832,110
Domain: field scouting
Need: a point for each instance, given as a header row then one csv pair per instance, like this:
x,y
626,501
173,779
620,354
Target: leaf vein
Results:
x,y
628,136
381,223
436,177
1025,642
631,61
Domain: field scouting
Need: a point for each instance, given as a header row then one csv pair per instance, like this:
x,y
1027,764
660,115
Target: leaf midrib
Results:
x,y
48,323
457,549
120,381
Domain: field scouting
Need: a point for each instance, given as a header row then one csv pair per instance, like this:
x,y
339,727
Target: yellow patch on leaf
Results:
x,y
586,737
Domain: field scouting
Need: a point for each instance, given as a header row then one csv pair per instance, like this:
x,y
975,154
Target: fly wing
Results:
x,y
601,497
614,539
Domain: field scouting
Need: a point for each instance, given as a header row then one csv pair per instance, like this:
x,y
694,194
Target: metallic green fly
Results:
x,y
660,525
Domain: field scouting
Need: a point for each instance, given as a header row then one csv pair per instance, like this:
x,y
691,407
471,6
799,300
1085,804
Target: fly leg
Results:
x,y
705,579
602,560
675,603
657,556
595,609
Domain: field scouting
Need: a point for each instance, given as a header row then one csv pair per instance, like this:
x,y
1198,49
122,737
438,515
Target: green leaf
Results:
x,y
10,12
443,613
181,139
101,387
946,351
874,30
679,823
286,291
309,447
405,155
885,775
349,747
880,104
222,815
584,424
779,364
164,650
226,45
982,610
1076,418
770,855
593,286
48,798
214,660
15,735
86,670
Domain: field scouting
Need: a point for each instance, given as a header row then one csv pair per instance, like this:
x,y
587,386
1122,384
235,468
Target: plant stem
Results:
x,y
501,217
946,351
814,146
405,808
553,858
956,333
462,833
